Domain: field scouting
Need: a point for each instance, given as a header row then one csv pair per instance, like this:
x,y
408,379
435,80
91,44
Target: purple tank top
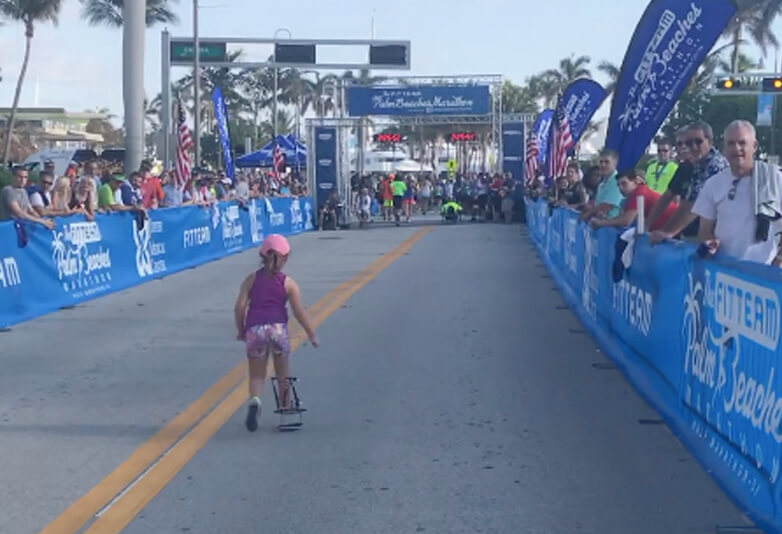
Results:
x,y
268,300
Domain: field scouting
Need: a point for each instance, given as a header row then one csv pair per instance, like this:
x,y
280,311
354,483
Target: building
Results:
x,y
46,128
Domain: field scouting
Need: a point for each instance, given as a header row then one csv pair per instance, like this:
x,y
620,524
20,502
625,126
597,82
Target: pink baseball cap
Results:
x,y
277,243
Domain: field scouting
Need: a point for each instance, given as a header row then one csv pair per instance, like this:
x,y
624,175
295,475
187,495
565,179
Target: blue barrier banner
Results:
x,y
221,116
325,163
669,44
80,260
541,129
419,100
513,149
699,339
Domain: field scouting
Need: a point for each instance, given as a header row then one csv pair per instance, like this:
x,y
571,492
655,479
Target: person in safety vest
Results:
x,y
660,172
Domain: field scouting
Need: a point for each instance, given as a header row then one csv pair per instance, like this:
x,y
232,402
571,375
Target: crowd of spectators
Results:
x,y
727,200
98,187
483,196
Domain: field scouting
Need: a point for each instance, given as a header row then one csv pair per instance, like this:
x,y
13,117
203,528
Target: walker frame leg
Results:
x,y
287,413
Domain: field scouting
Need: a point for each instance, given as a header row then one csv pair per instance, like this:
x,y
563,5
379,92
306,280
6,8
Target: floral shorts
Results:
x,y
267,340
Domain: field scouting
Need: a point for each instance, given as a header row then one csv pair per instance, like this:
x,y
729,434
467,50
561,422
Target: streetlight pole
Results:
x,y
276,82
196,87
133,82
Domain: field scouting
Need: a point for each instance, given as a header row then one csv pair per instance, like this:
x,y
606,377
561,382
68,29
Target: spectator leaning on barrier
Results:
x,y
40,194
660,172
107,198
82,201
92,174
575,195
15,204
683,172
151,190
740,207
130,191
707,161
608,197
633,188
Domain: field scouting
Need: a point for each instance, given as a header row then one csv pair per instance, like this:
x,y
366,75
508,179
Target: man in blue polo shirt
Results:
x,y
608,199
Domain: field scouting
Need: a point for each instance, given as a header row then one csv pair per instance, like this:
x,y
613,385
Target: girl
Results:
x,y
262,322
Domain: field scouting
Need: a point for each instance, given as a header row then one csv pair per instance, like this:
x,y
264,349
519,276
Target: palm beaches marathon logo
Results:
x,y
150,254
656,77
731,330
411,99
83,263
232,230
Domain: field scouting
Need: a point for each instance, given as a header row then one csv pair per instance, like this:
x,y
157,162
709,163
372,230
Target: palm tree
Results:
x,y
570,69
612,72
518,98
28,12
114,13
109,12
755,18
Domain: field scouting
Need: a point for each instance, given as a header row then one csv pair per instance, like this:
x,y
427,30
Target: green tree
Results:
x,y
109,12
29,13
755,19
518,98
612,73
570,69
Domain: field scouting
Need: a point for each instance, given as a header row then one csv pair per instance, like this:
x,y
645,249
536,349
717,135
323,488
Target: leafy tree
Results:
x,y
29,13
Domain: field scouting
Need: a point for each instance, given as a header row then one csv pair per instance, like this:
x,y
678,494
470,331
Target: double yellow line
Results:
x,y
118,498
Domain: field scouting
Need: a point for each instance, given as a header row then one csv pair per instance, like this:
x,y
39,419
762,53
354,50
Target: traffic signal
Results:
x,y
728,84
772,85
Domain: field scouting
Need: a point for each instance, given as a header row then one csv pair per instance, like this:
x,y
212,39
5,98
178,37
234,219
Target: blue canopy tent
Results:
x,y
294,151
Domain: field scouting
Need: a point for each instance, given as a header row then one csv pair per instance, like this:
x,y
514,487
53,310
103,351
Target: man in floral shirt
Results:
x,y
699,140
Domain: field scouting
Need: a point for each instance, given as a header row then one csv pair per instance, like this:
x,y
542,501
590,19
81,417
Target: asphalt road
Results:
x,y
452,393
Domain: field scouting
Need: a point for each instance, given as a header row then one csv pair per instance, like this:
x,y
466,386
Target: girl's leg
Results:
x,y
257,375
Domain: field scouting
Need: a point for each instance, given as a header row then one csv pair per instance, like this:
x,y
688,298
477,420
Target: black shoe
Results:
x,y
253,411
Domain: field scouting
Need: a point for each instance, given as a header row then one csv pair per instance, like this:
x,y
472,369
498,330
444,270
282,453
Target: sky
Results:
x,y
79,67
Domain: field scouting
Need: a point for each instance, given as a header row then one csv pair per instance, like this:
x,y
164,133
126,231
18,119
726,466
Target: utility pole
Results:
x,y
196,87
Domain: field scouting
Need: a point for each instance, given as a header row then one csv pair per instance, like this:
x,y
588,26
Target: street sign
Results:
x,y
452,165
182,52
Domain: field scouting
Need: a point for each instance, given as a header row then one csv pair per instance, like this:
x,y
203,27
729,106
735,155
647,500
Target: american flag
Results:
x,y
561,143
531,163
184,144
277,159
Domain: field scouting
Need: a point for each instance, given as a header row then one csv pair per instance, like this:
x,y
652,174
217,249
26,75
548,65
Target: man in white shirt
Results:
x,y
726,203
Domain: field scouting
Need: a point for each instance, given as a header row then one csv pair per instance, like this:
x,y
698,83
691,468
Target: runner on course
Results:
x,y
262,322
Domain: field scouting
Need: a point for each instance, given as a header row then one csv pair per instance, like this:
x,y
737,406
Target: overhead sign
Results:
x,y
421,100
182,52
